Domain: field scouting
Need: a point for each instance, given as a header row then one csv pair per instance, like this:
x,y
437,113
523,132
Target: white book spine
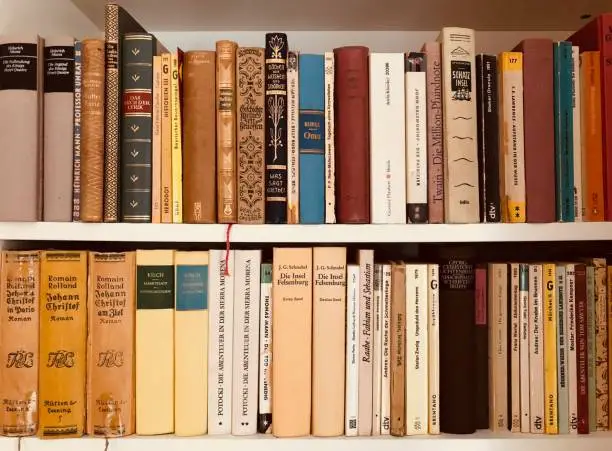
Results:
x,y
265,344
330,166
352,350
577,145
416,143
417,393
385,409
433,340
572,363
515,357
387,139
221,320
562,386
246,341
293,139
524,345
377,357
366,285
536,350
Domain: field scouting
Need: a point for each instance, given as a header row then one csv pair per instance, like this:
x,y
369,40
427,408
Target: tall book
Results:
x,y
435,133
591,347
111,299
311,127
481,348
63,337
136,128
601,344
276,127
549,315
498,351
292,345
330,147
176,133
58,128
461,203
76,144
19,341
398,349
524,346
328,340
433,342
191,343
582,349
577,134
572,348
199,139
264,412
21,125
250,138
536,349
117,23
92,137
226,132
156,157
377,301
352,135
154,349
385,402
488,137
166,146
366,284
293,136
562,348
513,343
351,410
220,341
387,138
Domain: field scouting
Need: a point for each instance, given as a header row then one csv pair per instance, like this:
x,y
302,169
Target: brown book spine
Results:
x,y
20,285
199,143
398,342
352,135
251,135
481,355
92,131
166,144
601,344
226,132
110,343
582,346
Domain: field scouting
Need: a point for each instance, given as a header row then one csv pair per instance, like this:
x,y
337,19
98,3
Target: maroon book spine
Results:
x,y
352,111
582,347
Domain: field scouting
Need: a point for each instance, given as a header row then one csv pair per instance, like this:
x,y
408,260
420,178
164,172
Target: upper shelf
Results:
x,y
285,15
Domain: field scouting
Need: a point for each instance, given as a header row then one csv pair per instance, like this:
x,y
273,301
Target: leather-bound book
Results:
x,y
21,127
19,301
226,132
58,129
199,142
398,349
111,299
251,135
352,115
92,131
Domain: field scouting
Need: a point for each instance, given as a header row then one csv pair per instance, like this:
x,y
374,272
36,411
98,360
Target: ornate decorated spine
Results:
x,y
156,160
276,127
601,344
176,140
330,148
166,147
76,146
251,135
92,132
293,136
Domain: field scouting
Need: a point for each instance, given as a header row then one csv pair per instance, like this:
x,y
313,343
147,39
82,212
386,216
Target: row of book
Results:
x,y
221,342
135,133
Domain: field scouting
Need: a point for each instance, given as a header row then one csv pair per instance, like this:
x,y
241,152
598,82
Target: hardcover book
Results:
x,y
351,395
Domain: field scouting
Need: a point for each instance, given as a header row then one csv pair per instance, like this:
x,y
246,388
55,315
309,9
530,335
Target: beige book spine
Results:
x,y
166,141
398,356
385,405
601,344
514,350
498,346
157,140
352,351
330,161
328,340
366,285
377,372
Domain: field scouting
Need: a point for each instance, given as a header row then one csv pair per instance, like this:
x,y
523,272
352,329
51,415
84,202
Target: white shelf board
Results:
x,y
9,444
334,233
66,444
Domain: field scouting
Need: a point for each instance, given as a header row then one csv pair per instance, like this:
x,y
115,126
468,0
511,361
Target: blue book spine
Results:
x,y
312,139
564,132
191,287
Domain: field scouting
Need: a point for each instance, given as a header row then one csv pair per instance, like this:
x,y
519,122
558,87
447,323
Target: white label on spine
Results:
x,y
416,138
377,342
330,166
352,350
265,349
536,350
433,338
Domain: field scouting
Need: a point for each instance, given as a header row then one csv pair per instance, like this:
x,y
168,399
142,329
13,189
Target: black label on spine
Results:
x,y
19,66
59,69
155,286
461,80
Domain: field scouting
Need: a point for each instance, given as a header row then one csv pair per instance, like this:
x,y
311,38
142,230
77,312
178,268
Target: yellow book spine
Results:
x,y
166,142
551,424
177,165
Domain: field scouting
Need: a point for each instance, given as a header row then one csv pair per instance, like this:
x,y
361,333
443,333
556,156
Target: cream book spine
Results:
x,y
352,351
536,350
577,137
264,412
417,365
154,342
524,344
176,139
498,346
366,285
562,374
191,343
387,139
377,354
572,362
515,356
385,403
293,138
330,166
157,140
433,339
220,340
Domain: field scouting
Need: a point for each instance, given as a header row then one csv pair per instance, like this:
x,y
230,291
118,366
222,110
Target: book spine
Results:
x,y
572,339
366,279
536,350
136,127
176,81
251,135
311,192
385,403
433,341
226,132
294,123
498,339
577,134
387,139
264,413
609,296
601,345
156,158
377,350
488,137
398,354
352,351
276,127
514,407
330,148
416,138
604,23
551,424
76,146
591,347
524,344
481,365
166,131
582,339
562,370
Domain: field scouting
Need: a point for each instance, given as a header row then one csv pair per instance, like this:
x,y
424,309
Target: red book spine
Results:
x,y
352,135
581,343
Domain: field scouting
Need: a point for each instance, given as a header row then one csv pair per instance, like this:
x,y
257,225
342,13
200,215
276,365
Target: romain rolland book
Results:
x,y
111,299
63,338
154,342
251,135
264,413
76,147
58,129
21,127
276,127
137,127
292,344
19,302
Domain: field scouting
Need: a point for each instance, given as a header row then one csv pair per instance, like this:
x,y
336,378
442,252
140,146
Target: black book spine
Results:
x,y
276,128
488,138
136,127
